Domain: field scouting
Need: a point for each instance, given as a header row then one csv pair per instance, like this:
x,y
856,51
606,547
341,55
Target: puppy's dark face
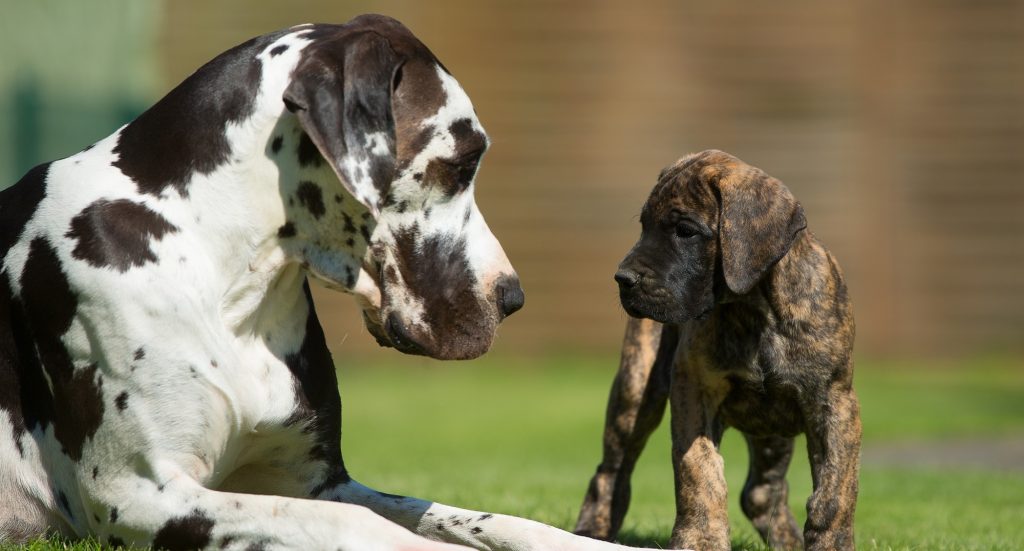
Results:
x,y
669,274
713,225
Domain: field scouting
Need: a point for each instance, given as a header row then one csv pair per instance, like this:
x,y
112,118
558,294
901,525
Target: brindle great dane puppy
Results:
x,y
747,324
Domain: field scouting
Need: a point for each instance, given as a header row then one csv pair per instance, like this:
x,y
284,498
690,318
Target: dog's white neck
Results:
x,y
268,215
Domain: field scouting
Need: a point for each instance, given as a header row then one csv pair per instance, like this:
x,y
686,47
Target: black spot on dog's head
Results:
x,y
117,234
185,533
140,353
278,50
453,310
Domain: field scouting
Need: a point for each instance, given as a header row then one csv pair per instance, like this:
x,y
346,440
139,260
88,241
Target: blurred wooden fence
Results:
x,y
899,125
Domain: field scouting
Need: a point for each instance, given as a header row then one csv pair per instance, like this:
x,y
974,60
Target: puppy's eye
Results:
x,y
686,231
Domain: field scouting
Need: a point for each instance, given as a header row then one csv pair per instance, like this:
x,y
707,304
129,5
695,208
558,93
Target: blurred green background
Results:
x,y
899,126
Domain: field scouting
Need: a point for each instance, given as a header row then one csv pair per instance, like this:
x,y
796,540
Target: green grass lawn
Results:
x,y
523,438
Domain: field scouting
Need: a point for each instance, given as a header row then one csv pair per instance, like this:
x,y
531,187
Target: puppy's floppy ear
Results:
x,y
759,222
341,94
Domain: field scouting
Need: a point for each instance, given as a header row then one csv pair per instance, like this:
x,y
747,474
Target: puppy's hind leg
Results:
x,y
636,405
765,495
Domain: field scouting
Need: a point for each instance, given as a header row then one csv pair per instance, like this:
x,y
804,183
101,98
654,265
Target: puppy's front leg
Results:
x,y
702,520
476,529
833,445
636,405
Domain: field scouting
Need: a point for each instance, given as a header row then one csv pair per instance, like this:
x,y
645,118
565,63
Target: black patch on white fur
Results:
x,y
184,133
117,234
312,197
286,230
185,533
44,313
316,389
452,309
309,155
121,401
21,380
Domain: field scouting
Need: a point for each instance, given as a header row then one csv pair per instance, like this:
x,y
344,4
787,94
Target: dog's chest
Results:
x,y
758,391
762,409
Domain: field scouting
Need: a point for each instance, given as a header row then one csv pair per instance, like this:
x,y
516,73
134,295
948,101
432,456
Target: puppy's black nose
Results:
x,y
510,295
627,279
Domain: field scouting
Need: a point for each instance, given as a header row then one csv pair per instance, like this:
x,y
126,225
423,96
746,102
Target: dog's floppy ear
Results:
x,y
759,222
341,94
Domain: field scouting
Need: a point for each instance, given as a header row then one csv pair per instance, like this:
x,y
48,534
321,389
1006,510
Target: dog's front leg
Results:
x,y
702,520
476,529
636,405
833,446
182,515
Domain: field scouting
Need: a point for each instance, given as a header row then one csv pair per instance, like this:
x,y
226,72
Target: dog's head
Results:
x,y
712,225
402,141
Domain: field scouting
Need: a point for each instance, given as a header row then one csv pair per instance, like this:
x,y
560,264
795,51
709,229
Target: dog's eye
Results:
x,y
686,231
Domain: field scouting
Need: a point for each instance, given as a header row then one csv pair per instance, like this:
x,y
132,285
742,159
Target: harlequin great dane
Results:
x,y
741,319
164,380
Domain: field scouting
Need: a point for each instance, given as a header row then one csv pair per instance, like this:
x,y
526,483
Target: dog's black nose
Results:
x,y
627,279
510,295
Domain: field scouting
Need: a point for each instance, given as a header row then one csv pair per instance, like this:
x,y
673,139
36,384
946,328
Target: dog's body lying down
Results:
x,y
749,325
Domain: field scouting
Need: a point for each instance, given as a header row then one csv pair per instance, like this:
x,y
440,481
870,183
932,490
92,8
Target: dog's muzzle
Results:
x,y
463,338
